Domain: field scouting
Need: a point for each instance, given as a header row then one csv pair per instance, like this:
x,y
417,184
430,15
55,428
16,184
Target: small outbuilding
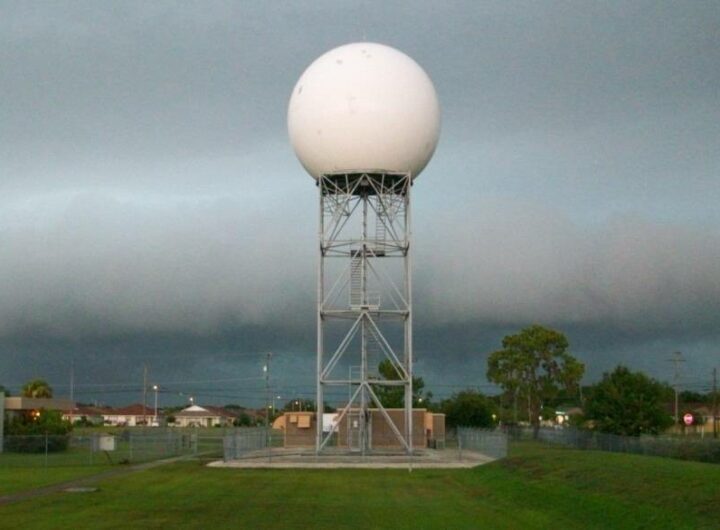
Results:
x,y
428,429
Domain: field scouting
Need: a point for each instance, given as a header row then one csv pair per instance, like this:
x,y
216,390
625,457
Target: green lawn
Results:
x,y
15,480
536,487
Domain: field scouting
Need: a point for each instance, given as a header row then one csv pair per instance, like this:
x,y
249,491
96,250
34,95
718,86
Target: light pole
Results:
x,y
155,419
266,370
278,398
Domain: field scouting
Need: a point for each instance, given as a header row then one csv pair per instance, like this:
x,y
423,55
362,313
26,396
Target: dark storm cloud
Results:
x,y
148,187
520,263
103,266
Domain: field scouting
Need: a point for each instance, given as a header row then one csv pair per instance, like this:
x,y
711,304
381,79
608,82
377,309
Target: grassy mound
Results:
x,y
536,487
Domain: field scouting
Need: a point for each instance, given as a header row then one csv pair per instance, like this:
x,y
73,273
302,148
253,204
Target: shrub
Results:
x,y
37,431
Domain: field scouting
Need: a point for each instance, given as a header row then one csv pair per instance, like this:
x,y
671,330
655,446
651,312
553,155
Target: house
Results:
x,y
130,416
16,405
93,415
205,416
564,415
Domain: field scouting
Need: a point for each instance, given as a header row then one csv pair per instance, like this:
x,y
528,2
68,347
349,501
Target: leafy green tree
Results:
x,y
534,366
37,388
627,403
4,391
468,408
688,396
243,420
393,397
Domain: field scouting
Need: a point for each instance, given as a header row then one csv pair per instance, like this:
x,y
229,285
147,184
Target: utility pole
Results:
x,y
266,369
715,404
156,423
677,359
145,394
72,384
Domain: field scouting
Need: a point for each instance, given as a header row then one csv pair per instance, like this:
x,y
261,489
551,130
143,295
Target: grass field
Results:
x,y
15,480
536,487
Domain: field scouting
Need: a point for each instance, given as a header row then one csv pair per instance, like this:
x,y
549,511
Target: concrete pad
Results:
x,y
286,459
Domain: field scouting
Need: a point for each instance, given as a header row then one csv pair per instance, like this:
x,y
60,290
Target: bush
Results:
x,y
36,443
83,422
37,431
468,409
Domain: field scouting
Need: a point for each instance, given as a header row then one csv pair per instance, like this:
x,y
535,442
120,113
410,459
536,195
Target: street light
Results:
x,y
274,398
155,419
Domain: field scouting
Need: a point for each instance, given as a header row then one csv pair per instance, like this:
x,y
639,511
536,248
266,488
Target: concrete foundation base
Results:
x,y
283,458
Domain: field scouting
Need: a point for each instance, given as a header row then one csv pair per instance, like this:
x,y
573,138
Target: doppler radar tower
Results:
x,y
364,121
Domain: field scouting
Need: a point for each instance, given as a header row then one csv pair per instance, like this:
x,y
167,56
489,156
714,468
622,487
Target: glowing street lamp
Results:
x,y
155,418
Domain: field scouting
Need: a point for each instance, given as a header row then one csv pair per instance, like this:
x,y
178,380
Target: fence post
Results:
x,y
130,452
46,449
459,440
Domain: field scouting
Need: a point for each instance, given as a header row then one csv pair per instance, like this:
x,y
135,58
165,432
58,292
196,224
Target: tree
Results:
x,y
299,404
534,366
688,396
627,403
243,420
393,397
4,391
37,388
468,408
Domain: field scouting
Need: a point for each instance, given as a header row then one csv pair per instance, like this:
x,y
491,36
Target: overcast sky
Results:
x,y
152,210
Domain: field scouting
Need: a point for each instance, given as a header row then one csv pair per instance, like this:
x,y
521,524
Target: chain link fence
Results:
x,y
491,443
244,442
683,447
463,445
125,447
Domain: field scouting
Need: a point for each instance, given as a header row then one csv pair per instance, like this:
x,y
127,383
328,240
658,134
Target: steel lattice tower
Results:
x,y
364,303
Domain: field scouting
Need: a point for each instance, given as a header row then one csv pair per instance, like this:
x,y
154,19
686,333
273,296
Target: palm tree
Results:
x,y
37,388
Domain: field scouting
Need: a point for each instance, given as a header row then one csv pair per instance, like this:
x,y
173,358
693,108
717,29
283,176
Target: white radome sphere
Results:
x,y
364,107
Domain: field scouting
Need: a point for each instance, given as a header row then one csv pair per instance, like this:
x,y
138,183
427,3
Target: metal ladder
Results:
x,y
356,271
380,232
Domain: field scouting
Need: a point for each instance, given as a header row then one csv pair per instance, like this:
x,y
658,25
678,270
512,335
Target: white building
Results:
x,y
206,416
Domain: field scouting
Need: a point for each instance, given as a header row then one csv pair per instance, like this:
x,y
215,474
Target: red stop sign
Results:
x,y
688,419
